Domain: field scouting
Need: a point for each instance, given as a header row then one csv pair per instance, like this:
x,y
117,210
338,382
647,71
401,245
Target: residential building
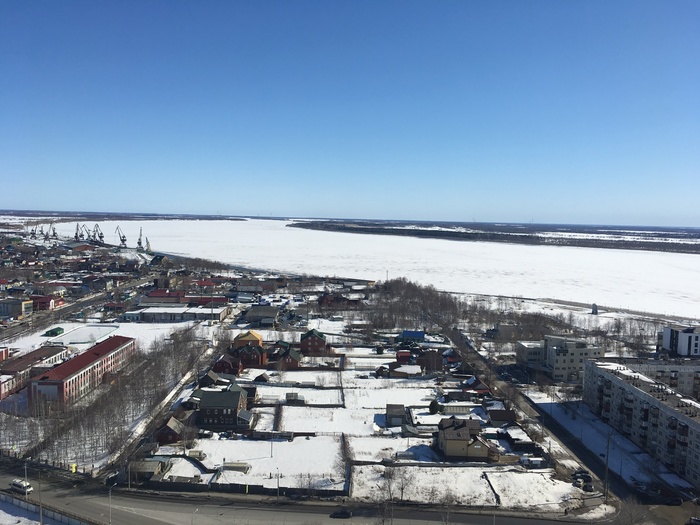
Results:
x,y
559,357
313,343
681,341
655,416
251,337
460,439
221,409
80,375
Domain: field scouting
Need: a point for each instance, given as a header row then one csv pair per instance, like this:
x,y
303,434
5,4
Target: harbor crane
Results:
x,y
139,243
47,234
77,232
32,233
85,233
148,247
122,237
97,234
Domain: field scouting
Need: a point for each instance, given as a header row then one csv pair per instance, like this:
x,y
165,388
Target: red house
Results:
x,y
228,364
313,342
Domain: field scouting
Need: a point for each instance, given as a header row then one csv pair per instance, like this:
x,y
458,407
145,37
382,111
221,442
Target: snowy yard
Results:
x,y
517,489
355,422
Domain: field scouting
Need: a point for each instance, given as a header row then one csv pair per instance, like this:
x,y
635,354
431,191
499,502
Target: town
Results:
x,y
158,373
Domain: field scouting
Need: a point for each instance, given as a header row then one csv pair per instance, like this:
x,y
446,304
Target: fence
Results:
x,y
47,512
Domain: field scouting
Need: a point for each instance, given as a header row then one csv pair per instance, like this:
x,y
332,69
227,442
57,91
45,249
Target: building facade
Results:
x,y
16,308
561,358
80,375
656,417
681,341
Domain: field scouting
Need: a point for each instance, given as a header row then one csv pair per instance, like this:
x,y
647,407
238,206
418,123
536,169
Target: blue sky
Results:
x,y
544,111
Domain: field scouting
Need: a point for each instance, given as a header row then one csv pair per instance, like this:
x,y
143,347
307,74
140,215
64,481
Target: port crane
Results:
x,y
122,237
85,233
32,233
139,243
48,234
148,246
77,232
97,234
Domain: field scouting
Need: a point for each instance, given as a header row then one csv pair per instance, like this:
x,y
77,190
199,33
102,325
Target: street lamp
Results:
x,y
278,485
110,503
195,512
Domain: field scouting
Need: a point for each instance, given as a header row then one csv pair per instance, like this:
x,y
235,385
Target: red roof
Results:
x,y
205,283
82,361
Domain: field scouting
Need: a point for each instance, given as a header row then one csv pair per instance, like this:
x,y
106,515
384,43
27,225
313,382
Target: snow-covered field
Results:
x,y
638,280
84,335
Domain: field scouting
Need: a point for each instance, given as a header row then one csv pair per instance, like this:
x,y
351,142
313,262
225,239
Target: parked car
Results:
x,y
341,513
588,487
578,483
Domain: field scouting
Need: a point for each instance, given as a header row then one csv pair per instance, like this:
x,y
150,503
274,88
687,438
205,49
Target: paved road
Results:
x,y
92,502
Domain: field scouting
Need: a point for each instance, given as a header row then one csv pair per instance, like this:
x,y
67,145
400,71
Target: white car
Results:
x,y
21,486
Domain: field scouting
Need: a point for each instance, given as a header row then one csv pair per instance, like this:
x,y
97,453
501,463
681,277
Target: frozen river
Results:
x,y
664,283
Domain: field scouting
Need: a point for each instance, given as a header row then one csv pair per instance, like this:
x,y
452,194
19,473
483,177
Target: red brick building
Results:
x,y
313,342
77,377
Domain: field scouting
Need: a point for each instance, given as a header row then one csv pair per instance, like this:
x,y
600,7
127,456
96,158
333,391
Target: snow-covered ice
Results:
x,y
631,279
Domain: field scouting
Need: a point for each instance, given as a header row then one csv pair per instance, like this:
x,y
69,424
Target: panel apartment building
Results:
x,y
636,398
560,357
75,378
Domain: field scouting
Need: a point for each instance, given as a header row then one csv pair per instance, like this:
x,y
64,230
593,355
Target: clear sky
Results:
x,y
518,111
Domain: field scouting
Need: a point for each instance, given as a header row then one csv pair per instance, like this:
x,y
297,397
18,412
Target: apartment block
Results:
x,y
560,357
681,341
658,418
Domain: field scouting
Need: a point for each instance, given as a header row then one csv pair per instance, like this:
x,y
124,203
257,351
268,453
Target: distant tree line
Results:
x,y
639,243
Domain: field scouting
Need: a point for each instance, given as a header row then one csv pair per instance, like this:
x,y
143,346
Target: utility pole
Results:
x,y
607,462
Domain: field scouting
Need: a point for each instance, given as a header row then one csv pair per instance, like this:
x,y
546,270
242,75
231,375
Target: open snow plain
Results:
x,y
659,282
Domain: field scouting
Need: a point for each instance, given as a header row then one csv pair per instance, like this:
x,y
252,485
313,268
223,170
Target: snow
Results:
x,y
311,396
632,279
318,456
82,335
373,395
517,489
377,448
350,421
13,515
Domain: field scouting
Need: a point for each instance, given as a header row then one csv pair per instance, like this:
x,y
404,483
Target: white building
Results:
x,y
681,341
560,357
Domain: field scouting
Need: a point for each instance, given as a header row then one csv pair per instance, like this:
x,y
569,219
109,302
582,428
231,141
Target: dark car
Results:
x,y
341,513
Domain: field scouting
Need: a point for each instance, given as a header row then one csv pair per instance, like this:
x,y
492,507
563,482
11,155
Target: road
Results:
x,y
92,502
